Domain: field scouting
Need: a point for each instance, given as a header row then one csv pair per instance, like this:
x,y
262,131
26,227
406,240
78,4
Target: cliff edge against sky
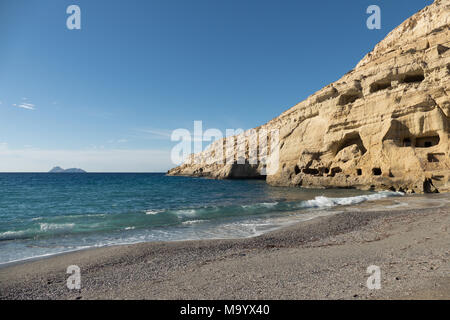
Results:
x,y
383,125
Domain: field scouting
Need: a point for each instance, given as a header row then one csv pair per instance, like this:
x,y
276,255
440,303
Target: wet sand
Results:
x,y
323,258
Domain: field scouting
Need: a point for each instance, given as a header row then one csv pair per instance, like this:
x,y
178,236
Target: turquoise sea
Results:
x,y
43,214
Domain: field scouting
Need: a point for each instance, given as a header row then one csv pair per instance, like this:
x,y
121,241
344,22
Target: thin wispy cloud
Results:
x,y
150,133
164,134
118,141
23,105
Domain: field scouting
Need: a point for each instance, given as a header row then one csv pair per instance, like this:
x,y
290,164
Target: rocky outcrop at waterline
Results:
x,y
383,125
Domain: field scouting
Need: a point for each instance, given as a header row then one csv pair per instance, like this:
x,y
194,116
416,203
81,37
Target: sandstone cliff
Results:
x,y
383,125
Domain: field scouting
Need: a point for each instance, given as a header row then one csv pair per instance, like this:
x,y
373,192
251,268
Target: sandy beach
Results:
x,y
323,258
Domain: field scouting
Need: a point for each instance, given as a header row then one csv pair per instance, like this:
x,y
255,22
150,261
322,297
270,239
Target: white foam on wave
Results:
x,y
189,222
153,212
324,202
7,234
56,226
186,213
258,205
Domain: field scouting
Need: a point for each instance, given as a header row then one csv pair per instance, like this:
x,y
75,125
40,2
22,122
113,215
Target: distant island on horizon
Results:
x,y
70,170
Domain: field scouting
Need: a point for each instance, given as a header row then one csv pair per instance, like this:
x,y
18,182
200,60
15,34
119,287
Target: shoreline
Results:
x,y
322,258
312,210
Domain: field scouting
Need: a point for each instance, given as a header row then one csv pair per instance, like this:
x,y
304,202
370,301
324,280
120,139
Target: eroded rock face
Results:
x,y
383,125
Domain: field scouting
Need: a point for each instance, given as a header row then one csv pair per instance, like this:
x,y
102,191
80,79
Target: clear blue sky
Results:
x,y
106,97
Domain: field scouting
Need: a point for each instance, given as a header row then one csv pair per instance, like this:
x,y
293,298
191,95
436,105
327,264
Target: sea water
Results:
x,y
43,214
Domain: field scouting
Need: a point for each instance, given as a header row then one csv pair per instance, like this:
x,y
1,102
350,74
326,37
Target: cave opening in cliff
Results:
x,y
427,141
359,172
351,139
435,157
380,85
335,170
376,171
441,49
297,170
416,76
349,98
428,186
311,171
407,142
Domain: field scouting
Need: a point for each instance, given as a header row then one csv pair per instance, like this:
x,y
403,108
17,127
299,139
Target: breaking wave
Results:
x,y
55,226
325,202
208,213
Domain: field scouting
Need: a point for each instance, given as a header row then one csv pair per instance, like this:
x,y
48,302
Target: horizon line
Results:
x,y
2,172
